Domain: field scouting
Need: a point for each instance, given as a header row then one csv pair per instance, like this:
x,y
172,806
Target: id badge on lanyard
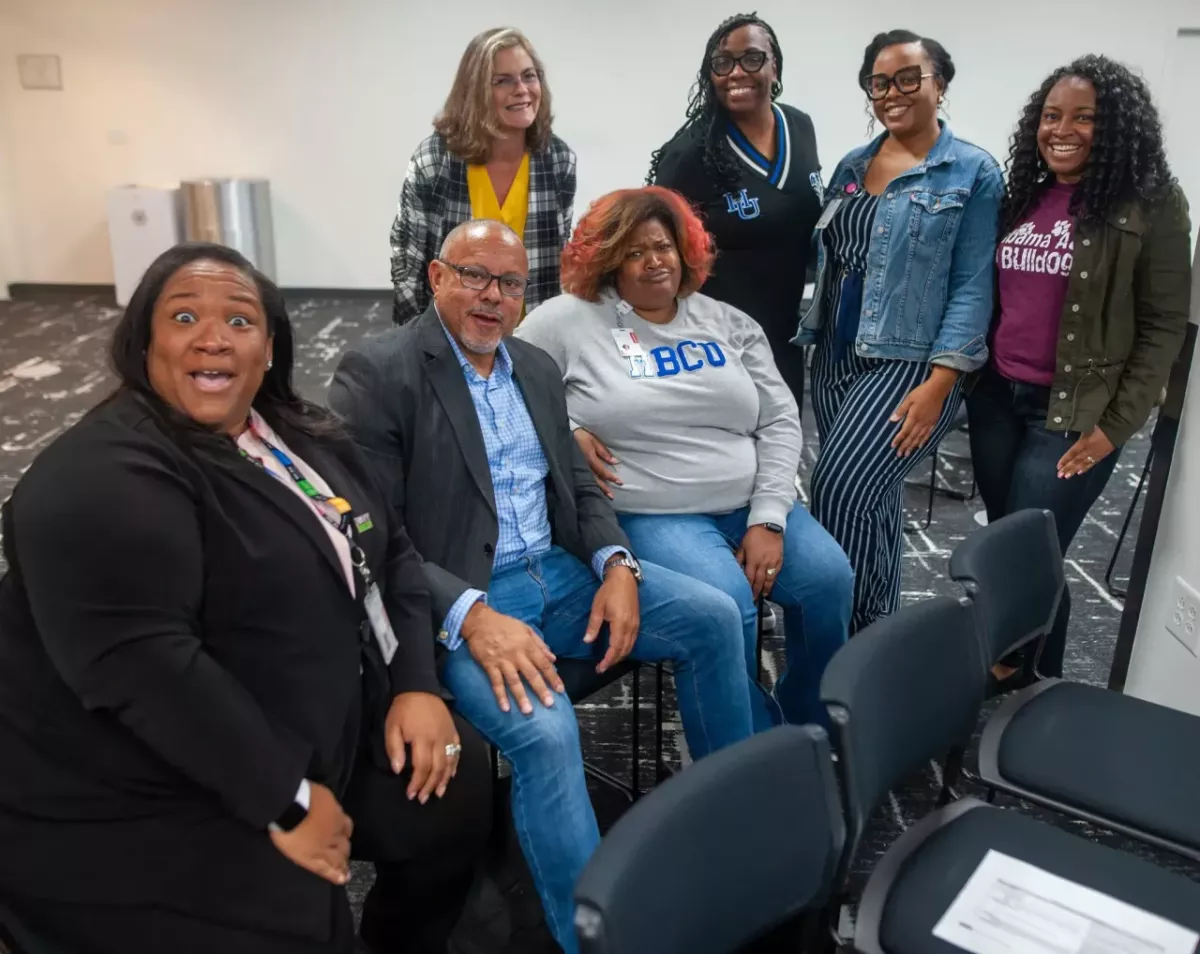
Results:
x,y
628,345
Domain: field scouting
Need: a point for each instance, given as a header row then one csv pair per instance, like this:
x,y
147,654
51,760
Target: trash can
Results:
x,y
142,224
233,212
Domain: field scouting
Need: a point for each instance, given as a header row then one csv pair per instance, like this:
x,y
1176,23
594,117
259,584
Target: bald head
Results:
x,y
478,285
479,230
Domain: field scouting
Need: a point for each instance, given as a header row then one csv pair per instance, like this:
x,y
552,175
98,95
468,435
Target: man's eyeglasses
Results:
x,y
477,279
752,61
907,80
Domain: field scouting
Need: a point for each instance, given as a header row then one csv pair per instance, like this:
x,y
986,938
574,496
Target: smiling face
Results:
x,y
742,91
478,318
1068,127
649,275
904,114
209,344
516,89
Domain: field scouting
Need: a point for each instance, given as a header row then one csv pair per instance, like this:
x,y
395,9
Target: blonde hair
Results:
x,y
468,120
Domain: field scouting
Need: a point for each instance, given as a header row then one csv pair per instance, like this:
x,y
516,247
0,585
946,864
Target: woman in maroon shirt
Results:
x,y
1093,271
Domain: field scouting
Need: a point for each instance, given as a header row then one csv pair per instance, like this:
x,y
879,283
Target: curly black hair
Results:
x,y
704,111
1127,160
943,65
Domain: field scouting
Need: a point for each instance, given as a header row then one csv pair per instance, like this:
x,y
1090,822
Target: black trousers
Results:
x,y
425,858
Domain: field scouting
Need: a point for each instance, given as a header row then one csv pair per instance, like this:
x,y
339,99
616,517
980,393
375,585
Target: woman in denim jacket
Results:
x,y
902,305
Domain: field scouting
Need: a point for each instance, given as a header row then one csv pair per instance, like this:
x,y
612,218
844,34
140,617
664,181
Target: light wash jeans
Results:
x,y
694,626
815,587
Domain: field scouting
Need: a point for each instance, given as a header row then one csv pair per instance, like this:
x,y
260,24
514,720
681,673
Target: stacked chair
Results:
x,y
747,847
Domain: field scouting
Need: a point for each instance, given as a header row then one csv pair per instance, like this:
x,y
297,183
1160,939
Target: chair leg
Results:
x,y
951,773
1112,563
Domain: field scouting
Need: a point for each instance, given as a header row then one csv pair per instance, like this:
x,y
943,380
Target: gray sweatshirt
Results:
x,y
695,410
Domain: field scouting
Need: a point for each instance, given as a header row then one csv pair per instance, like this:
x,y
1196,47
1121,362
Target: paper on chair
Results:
x,y
1010,906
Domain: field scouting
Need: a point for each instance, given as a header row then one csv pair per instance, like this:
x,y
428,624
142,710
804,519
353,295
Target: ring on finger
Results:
x,y
770,571
1091,460
453,750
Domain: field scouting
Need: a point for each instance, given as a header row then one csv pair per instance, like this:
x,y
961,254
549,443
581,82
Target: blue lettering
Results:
x,y
712,351
683,359
665,358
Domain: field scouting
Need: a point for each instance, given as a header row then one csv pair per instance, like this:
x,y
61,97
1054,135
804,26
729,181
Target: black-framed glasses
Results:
x,y
752,61
478,279
907,80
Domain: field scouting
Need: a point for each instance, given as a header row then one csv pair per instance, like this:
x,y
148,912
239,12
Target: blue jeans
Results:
x,y
684,621
1015,459
815,587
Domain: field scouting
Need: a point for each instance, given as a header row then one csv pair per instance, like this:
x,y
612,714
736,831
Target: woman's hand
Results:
x,y
423,722
761,551
1085,453
597,456
921,409
320,843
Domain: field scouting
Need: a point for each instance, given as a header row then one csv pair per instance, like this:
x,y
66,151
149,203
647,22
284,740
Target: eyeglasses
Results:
x,y
907,80
507,81
752,61
478,279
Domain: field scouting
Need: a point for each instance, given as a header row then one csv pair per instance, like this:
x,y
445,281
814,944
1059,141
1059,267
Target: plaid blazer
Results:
x,y
434,199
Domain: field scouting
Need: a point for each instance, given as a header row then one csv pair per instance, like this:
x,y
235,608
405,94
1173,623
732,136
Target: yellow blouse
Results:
x,y
485,205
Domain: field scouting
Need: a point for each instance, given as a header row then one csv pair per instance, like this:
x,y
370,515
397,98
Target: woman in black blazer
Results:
x,y
217,660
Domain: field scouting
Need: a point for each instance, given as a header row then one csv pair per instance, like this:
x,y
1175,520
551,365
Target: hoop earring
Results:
x,y
944,105
870,120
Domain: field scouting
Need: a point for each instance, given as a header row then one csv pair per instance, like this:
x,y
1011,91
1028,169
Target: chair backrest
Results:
x,y
744,840
901,692
1013,571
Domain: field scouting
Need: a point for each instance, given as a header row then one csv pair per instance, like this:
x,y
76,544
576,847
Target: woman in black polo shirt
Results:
x,y
750,165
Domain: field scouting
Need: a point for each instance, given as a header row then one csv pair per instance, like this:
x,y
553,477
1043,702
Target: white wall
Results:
x,y
328,99
1162,669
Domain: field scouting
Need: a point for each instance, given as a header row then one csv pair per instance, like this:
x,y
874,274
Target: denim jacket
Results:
x,y
929,288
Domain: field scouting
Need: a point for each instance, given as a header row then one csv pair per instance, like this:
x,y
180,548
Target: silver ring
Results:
x,y
1091,460
770,571
453,750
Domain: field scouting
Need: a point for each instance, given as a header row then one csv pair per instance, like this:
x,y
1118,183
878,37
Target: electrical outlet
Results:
x,y
1183,617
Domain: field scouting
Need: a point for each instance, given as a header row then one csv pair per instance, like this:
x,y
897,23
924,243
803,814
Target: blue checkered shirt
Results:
x,y
518,468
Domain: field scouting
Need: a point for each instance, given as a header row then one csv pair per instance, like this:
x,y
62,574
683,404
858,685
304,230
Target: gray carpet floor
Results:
x,y
53,369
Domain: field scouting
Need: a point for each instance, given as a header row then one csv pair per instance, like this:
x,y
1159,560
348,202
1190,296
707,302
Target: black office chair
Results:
x,y
747,839
1119,762
580,680
900,693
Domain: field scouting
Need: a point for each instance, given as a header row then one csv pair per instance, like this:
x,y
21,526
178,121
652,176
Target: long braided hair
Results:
x,y
704,111
1127,161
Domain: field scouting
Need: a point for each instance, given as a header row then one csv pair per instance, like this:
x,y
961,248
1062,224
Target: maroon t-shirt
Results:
x,y
1034,266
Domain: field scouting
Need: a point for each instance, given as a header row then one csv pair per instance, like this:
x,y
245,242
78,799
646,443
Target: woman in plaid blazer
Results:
x,y
491,155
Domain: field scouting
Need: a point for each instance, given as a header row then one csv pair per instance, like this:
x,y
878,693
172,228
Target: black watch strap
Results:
x,y
773,527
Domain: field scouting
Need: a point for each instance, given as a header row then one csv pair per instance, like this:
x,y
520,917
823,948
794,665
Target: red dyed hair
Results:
x,y
598,246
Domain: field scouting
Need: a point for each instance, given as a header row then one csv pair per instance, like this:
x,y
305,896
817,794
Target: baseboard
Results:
x,y
40,291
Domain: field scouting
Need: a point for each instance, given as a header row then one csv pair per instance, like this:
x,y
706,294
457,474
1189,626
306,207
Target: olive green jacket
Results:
x,y
1123,319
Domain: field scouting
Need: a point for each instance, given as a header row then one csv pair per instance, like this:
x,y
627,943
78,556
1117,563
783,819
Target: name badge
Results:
x,y
380,624
627,342
830,211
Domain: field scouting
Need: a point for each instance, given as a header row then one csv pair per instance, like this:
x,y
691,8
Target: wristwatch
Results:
x,y
296,812
773,527
626,561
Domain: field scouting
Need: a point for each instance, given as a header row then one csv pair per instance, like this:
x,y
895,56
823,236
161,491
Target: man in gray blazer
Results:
x,y
522,552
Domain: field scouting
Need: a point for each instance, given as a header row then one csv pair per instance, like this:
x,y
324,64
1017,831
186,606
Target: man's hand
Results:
x,y
422,721
1085,453
320,843
508,651
598,458
921,409
761,550
615,603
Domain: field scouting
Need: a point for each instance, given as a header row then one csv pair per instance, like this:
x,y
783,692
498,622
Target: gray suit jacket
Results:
x,y
404,399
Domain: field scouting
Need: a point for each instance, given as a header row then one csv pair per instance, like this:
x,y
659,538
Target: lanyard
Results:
x,y
336,511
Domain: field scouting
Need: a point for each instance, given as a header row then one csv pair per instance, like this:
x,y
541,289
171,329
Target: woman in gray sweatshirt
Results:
x,y
678,407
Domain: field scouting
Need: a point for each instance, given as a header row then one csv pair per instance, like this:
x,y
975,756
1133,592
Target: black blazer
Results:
x,y
178,649
403,396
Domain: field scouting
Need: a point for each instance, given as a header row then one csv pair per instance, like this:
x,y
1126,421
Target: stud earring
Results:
x,y
270,364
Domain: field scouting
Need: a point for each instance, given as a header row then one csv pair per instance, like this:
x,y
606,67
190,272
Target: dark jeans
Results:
x,y
1015,458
